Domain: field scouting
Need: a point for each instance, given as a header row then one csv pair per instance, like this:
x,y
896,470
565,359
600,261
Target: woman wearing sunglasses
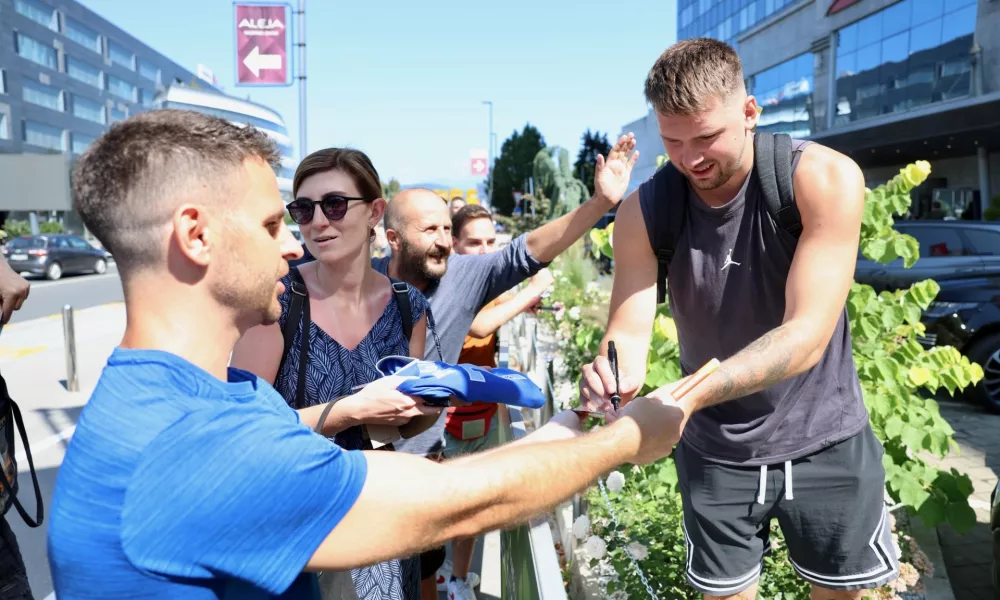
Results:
x,y
353,318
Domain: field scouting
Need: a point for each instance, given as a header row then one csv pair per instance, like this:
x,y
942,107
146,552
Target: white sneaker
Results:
x,y
444,576
460,589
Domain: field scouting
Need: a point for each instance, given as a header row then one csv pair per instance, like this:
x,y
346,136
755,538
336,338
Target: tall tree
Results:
x,y
513,168
591,145
390,189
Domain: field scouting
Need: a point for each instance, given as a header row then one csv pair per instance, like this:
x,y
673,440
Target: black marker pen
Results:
x,y
616,398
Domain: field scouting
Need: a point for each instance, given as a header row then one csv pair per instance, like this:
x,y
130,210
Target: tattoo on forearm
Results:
x,y
766,361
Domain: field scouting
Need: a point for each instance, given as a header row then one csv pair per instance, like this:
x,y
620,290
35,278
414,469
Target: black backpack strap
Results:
x,y
298,315
773,166
663,200
15,422
401,291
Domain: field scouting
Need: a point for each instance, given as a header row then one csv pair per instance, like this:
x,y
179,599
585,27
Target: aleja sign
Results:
x,y
838,5
262,44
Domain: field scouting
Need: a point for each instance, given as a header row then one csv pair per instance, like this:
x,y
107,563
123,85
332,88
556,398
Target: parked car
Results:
x,y
964,258
54,255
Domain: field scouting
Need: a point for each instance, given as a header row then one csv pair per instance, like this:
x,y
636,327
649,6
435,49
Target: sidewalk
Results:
x,y
33,362
969,557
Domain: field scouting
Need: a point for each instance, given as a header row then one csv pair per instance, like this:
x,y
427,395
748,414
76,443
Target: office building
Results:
x,y
66,74
887,82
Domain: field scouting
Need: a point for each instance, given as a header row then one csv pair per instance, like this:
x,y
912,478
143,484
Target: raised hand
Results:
x,y
611,175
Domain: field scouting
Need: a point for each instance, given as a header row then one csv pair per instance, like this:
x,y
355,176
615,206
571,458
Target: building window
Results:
x,y
81,71
4,125
84,36
785,93
3,82
118,114
35,51
80,142
145,97
40,94
43,136
908,55
121,56
121,88
149,71
38,12
89,110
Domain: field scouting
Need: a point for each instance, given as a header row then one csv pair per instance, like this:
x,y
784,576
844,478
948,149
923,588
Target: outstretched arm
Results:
x,y
830,194
611,179
492,318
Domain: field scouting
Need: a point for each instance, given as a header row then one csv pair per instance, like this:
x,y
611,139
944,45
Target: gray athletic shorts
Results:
x,y
830,506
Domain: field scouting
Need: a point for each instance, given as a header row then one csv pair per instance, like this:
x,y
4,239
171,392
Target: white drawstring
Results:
x,y
762,492
788,480
763,484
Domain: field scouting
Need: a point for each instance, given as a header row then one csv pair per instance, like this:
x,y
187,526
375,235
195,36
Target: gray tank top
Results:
x,y
726,288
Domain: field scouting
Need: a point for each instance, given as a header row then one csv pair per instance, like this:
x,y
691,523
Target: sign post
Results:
x,y
262,45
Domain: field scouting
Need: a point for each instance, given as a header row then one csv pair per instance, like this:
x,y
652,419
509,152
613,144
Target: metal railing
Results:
x,y
529,567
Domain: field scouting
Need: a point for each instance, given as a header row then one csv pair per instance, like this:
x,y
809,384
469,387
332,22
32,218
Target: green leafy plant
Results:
x,y
15,228
50,227
896,371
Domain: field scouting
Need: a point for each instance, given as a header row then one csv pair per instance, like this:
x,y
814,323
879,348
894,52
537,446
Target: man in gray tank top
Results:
x,y
768,300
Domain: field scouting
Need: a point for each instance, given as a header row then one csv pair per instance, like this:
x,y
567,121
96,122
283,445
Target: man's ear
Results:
x,y
394,239
192,236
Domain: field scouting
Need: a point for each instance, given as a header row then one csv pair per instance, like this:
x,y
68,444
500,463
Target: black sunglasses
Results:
x,y
334,207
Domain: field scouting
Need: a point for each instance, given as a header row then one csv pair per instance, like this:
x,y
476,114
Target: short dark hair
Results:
x,y
469,212
128,183
353,162
691,72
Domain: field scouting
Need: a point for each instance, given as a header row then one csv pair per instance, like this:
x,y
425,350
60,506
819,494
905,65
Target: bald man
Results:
x,y
418,229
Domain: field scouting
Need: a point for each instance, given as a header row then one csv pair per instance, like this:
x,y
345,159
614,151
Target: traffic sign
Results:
x,y
479,163
262,44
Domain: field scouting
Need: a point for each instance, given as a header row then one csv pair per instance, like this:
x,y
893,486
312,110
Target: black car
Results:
x,y
964,258
54,255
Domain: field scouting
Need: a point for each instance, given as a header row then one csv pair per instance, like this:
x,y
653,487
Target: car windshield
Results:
x,y
26,243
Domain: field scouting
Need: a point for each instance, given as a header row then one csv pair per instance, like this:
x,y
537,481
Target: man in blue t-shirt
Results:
x,y
186,479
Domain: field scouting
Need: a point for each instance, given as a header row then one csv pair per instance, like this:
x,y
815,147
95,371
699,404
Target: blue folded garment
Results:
x,y
435,382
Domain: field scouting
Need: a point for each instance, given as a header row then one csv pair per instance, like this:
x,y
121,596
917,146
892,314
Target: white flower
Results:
x,y
592,287
574,313
636,469
615,482
637,550
595,547
581,527
619,595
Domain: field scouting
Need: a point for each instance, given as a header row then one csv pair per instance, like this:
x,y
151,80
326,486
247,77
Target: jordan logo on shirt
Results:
x,y
729,261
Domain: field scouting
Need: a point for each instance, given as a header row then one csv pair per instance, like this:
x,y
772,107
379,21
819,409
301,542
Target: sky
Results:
x,y
404,80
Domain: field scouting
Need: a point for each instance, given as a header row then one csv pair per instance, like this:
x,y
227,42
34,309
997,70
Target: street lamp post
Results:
x,y
490,104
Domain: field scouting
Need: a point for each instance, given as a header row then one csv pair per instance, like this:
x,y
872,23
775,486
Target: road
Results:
x,y
82,291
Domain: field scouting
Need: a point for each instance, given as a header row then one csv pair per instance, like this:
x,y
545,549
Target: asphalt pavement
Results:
x,y
82,291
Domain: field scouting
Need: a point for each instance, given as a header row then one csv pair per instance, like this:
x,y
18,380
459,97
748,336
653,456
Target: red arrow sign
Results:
x,y
478,166
261,44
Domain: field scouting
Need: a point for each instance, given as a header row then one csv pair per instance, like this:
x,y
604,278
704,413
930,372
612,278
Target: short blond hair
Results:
x,y
691,72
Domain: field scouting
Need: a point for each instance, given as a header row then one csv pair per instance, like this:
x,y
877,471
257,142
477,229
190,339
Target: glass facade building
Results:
x,y
723,19
67,74
907,55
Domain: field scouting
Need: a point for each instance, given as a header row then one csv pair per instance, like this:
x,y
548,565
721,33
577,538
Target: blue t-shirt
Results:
x,y
179,485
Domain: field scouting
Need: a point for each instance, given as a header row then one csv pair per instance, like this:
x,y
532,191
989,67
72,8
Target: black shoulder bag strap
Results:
x,y
298,314
401,291
13,420
669,193
773,166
